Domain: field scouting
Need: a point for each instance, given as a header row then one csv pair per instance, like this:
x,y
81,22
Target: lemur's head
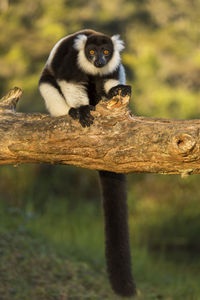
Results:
x,y
99,50
98,54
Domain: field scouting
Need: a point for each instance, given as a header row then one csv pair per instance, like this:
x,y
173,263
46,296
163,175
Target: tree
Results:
x,y
117,141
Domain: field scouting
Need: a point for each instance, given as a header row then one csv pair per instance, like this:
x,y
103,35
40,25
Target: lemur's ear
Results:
x,y
118,44
80,41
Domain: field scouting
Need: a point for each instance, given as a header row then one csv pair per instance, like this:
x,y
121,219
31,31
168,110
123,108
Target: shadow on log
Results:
x,y
117,141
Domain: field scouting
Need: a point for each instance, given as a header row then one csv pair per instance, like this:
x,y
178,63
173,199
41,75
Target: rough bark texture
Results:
x,y
117,141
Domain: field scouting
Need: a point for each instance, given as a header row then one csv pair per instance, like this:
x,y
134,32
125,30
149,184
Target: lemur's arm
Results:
x,y
115,86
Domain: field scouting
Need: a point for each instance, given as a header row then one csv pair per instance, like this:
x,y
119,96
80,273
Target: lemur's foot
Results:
x,y
119,95
85,118
120,90
82,113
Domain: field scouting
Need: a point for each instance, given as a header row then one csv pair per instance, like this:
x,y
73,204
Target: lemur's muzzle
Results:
x,y
100,62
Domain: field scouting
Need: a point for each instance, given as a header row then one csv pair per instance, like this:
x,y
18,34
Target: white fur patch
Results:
x,y
75,94
118,44
122,75
55,103
88,67
110,83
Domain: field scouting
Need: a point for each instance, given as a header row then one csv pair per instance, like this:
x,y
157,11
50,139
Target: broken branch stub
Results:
x,y
9,101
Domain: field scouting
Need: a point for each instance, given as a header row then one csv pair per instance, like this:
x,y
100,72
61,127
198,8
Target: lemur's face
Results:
x,y
98,50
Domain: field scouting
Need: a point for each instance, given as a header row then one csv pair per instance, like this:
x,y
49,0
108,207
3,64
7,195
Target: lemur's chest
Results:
x,y
95,89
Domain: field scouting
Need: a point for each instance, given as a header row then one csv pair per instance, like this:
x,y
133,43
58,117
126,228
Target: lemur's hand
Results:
x,y
82,113
120,90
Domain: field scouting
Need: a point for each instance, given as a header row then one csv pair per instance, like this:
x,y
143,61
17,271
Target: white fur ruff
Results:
x,y
88,67
79,43
118,44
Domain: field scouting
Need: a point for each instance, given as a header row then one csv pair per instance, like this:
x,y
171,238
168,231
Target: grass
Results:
x,y
32,270
61,256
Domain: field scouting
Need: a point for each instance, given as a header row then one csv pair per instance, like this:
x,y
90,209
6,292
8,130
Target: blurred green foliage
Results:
x,y
162,61
162,54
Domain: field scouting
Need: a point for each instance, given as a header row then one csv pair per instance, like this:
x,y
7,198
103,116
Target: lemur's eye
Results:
x,y
92,52
106,52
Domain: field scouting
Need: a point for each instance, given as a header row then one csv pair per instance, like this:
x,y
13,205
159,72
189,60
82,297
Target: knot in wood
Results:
x,y
183,143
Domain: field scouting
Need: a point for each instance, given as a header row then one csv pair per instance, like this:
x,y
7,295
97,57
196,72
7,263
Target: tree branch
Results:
x,y
117,141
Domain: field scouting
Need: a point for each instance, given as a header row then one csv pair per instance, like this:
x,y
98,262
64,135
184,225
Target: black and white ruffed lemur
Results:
x,y
82,68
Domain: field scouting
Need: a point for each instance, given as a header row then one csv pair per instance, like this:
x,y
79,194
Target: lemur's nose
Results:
x,y
99,64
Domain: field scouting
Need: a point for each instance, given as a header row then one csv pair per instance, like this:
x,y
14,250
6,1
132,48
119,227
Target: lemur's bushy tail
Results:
x,y
116,233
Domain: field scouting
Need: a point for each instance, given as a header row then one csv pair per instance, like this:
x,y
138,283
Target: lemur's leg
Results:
x,y
78,101
63,98
53,96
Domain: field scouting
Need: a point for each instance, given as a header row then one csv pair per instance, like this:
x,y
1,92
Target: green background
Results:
x,y
59,207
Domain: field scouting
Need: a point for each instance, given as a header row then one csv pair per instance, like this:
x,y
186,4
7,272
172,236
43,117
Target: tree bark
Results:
x,y
117,141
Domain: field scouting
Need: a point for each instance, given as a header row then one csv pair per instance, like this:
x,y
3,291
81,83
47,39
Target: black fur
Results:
x,y
64,64
116,231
